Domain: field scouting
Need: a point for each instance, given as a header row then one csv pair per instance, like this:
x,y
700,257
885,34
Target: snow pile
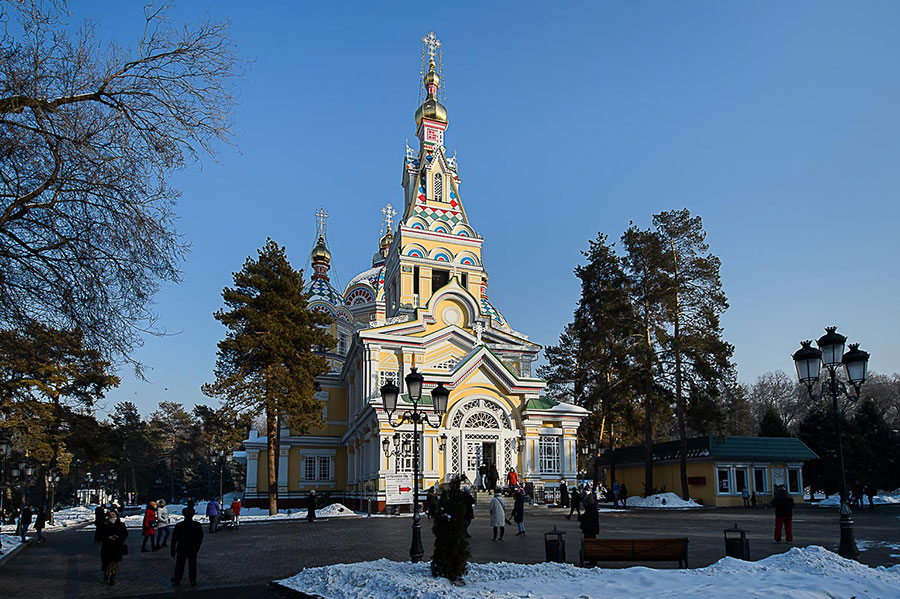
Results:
x,y
662,501
882,497
9,542
69,516
248,514
810,573
335,510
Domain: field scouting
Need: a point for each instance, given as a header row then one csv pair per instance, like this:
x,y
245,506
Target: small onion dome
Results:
x,y
431,108
385,243
320,253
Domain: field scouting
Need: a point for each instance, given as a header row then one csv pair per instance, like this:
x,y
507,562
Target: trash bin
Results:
x,y
555,546
737,545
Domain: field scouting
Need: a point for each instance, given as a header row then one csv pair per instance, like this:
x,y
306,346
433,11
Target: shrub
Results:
x,y
451,546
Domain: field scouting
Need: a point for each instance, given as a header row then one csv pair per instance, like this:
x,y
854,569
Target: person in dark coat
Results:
x,y
494,476
519,511
311,506
431,502
563,494
623,494
575,503
99,517
39,522
186,540
24,521
784,514
112,538
590,519
470,508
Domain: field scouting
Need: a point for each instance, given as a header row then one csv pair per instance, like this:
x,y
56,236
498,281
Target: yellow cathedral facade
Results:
x,y
423,304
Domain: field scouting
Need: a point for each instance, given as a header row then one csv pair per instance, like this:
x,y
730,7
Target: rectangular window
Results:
x,y
794,486
404,459
722,474
309,467
741,480
760,481
416,280
388,375
549,454
342,344
324,467
464,280
439,278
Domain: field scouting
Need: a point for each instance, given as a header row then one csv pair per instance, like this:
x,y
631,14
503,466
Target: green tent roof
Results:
x,y
541,403
787,449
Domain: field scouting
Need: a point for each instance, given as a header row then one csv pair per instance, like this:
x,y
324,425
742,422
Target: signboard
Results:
x,y
778,477
398,489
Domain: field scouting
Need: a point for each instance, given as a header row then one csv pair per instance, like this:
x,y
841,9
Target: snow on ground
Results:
x,y
669,501
248,514
883,497
65,517
9,542
807,573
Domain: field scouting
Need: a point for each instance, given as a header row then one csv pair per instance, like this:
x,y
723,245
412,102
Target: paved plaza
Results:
x,y
244,562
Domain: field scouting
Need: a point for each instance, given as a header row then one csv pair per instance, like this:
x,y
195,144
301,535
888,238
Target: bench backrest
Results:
x,y
637,547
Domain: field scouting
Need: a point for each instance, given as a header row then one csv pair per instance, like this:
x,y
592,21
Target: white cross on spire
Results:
x,y
433,44
387,218
321,217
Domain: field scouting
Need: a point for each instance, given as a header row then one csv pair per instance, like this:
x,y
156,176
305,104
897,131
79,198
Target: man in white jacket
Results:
x,y
498,515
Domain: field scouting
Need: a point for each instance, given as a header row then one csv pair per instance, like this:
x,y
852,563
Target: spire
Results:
x,y
431,108
321,256
387,234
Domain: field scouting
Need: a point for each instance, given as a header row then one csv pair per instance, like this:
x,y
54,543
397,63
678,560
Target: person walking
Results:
x,y
39,522
99,518
623,495
745,494
784,514
148,527
236,509
213,511
162,527
112,545
563,494
519,511
311,506
590,519
431,502
24,521
574,503
493,477
498,515
470,508
512,478
481,479
186,540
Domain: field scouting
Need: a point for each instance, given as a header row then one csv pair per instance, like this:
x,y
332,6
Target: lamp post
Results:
x,y
809,361
439,397
5,451
220,458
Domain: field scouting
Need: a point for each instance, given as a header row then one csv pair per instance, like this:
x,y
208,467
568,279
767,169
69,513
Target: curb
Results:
x,y
10,554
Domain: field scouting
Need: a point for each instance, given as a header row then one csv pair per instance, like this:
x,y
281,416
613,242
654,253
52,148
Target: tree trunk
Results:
x,y
679,393
648,410
272,450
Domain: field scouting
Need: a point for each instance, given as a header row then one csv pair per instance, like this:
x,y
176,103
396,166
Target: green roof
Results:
x,y
541,403
425,400
786,449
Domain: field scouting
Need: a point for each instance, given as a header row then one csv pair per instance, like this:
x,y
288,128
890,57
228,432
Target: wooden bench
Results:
x,y
635,550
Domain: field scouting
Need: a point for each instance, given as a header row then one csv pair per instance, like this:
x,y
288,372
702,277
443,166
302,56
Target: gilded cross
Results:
x,y
433,44
387,218
321,217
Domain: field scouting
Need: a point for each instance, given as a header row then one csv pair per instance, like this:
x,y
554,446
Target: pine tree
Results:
x,y
266,362
697,357
451,545
772,426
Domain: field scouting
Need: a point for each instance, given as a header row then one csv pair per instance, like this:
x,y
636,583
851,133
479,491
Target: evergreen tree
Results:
x,y
266,361
451,545
771,425
696,356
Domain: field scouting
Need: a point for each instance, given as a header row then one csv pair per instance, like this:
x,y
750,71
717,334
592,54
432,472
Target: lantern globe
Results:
x,y
440,396
808,361
856,364
832,346
414,382
389,393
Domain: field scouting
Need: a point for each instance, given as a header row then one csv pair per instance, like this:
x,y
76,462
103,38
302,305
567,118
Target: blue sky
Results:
x,y
776,122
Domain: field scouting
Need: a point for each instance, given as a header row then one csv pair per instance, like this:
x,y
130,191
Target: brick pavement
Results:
x,y
68,565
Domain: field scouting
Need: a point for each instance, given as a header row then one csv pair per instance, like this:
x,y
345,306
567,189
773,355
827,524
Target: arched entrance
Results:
x,y
481,431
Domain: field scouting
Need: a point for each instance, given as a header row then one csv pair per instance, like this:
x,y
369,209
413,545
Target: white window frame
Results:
x,y
765,479
728,479
403,462
438,187
549,454
747,482
389,375
310,464
342,344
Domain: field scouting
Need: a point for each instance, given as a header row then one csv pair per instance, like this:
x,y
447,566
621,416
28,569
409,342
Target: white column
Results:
x,y
252,471
283,470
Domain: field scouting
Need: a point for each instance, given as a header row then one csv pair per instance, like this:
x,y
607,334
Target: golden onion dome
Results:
x,y
386,241
431,108
320,253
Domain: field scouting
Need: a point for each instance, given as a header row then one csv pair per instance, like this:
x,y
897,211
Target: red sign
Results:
x,y
405,489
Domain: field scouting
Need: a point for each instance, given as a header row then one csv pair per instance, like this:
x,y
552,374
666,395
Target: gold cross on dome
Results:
x,y
387,218
321,217
433,44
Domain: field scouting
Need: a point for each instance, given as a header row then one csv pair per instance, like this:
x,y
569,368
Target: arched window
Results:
x,y
438,187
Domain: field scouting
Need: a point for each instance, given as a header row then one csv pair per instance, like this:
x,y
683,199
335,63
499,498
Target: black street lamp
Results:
x,y
809,361
221,458
5,451
439,398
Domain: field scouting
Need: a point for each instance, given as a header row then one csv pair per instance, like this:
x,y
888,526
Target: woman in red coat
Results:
x,y
148,528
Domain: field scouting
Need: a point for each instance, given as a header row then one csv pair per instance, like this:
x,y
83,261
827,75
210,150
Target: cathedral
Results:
x,y
423,304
